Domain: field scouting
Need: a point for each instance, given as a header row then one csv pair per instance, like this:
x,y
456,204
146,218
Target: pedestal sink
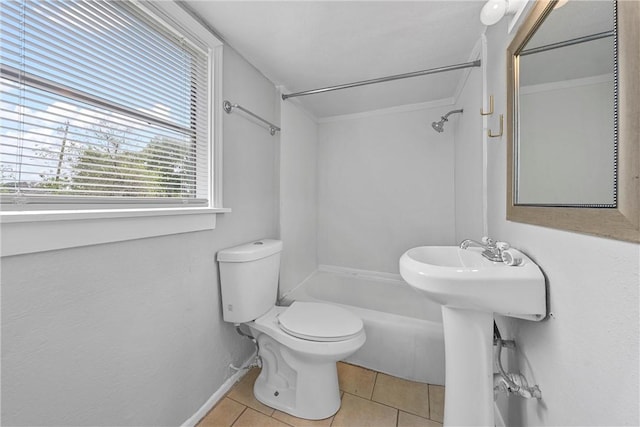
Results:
x,y
471,289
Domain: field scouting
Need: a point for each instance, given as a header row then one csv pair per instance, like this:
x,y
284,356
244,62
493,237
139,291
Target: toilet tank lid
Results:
x,y
250,251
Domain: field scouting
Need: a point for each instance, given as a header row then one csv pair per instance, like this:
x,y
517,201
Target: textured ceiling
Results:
x,y
305,45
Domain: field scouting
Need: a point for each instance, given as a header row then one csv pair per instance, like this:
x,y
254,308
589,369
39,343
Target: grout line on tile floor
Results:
x,y
378,403
383,404
239,415
373,389
406,410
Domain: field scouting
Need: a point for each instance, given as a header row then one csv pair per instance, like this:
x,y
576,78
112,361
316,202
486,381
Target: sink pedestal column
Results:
x,y
468,342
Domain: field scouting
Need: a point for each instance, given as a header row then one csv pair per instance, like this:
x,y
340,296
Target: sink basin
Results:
x,y
463,278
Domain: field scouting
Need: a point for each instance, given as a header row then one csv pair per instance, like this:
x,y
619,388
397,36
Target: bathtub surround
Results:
x,y
385,184
298,195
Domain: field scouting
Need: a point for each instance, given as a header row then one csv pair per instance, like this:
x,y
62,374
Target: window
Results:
x,y
107,111
104,105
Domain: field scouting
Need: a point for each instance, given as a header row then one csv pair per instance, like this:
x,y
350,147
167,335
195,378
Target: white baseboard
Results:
x,y
217,396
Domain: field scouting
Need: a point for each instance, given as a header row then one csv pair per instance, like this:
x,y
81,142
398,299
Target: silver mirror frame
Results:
x,y
623,221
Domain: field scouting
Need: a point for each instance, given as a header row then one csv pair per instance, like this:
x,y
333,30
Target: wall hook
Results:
x,y
501,128
482,113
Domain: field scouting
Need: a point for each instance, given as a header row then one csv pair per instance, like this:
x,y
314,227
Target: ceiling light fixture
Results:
x,y
494,10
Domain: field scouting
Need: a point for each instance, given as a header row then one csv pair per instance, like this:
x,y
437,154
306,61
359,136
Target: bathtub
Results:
x,y
404,329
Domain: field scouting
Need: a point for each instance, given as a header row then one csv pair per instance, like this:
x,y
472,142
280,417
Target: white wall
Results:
x,y
298,195
585,357
131,333
468,144
385,184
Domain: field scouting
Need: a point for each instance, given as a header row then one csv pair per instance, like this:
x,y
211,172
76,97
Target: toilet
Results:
x,y
299,345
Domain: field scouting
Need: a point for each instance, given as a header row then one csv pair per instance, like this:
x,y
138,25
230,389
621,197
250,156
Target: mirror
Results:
x,y
566,103
573,119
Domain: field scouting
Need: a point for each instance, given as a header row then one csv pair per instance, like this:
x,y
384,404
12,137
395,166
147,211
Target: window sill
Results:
x,y
30,232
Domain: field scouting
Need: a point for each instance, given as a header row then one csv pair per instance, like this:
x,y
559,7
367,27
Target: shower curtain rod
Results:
x,y
475,63
570,42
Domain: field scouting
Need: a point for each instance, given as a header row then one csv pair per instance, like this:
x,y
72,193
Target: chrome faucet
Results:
x,y
492,250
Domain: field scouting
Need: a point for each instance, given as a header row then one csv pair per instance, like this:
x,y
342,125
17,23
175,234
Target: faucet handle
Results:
x,y
503,246
488,241
510,259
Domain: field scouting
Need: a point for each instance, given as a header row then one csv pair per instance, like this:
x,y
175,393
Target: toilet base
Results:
x,y
299,384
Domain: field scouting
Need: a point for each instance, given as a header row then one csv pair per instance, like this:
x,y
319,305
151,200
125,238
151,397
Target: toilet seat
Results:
x,y
319,322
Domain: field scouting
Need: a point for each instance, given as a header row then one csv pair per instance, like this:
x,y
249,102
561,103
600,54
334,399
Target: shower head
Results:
x,y
439,126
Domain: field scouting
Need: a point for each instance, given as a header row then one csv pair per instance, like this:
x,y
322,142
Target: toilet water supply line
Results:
x,y
509,382
255,360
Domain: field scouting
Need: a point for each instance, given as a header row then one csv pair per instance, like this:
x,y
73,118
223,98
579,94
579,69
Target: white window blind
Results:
x,y
102,103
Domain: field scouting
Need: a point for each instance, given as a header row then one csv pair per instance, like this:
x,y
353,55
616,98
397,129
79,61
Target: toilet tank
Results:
x,y
249,279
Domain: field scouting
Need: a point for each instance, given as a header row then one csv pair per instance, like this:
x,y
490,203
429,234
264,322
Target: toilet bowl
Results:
x,y
299,345
299,375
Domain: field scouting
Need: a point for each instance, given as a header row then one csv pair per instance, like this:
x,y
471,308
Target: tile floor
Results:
x,y
369,398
